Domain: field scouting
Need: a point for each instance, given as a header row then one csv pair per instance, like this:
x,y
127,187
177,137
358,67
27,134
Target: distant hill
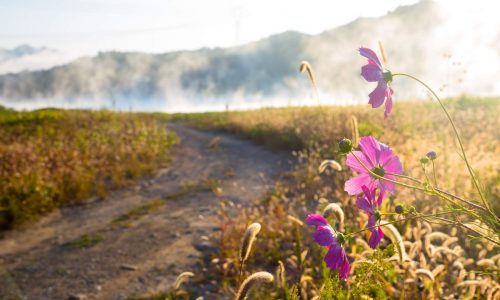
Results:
x,y
414,36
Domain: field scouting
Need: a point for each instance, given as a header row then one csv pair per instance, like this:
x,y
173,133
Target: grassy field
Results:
x,y
414,129
312,133
50,158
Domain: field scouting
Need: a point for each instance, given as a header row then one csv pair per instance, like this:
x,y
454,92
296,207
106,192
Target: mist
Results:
x,y
456,51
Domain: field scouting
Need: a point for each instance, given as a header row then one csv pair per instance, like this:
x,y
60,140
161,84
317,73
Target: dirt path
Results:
x,y
139,238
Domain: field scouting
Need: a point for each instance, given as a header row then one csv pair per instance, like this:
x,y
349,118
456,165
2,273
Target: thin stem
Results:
x,y
469,168
433,191
443,192
405,177
461,199
458,223
404,219
434,173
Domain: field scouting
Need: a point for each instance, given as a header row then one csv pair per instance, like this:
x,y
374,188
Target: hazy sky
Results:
x,y
86,26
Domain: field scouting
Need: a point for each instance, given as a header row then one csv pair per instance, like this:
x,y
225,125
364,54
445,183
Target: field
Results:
x,y
466,267
53,158
50,158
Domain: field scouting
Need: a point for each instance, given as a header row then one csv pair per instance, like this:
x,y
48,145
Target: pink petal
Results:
x,y
371,55
354,164
371,221
393,166
385,185
316,220
371,73
388,103
371,149
333,257
375,238
324,236
370,194
353,185
363,203
381,196
345,268
377,96
385,155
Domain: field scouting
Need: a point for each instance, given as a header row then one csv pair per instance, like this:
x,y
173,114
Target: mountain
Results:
x,y
417,38
28,58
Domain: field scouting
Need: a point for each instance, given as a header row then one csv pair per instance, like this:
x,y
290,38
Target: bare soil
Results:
x,y
137,240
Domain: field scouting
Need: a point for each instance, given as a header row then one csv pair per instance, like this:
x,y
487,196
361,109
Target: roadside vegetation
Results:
x,y
423,259
50,158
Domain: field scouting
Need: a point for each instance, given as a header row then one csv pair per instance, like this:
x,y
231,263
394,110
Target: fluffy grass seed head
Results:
x,y
281,274
259,277
330,163
426,273
336,210
354,131
248,239
183,277
295,220
305,67
393,234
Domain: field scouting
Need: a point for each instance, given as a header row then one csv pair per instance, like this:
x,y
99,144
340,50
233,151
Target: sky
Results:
x,y
89,26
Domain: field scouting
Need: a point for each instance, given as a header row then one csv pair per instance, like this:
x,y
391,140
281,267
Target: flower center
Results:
x,y
387,76
379,171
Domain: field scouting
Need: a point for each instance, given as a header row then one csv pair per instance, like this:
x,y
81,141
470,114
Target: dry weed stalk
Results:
x,y
183,277
259,277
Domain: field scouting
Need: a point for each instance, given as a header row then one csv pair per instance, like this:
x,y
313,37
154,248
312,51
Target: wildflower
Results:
x,y
379,159
336,257
374,72
432,155
369,204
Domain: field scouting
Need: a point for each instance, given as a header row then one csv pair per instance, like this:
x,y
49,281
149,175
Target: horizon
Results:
x,y
460,52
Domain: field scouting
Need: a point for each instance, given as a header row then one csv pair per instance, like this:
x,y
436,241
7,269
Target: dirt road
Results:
x,y
138,239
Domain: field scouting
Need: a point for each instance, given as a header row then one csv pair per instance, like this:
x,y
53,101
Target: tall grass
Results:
x,y
416,128
49,158
423,260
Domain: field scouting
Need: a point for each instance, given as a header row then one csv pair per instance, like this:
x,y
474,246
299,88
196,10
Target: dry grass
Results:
x,y
413,130
50,158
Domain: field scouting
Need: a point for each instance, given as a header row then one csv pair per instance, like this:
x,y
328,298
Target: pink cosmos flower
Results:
x,y
374,72
368,202
379,159
336,257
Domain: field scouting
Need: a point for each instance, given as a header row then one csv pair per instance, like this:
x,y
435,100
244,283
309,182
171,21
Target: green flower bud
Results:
x,y
378,215
424,160
432,155
345,146
387,76
340,238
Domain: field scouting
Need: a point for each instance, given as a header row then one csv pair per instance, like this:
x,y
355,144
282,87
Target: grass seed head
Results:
x,y
183,277
259,277
248,239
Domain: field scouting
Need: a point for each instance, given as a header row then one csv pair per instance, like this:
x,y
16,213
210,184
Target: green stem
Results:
x,y
469,168
434,173
443,192
404,219
433,191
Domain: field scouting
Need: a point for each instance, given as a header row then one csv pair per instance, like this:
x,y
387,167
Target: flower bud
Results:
x,y
345,146
387,76
340,238
378,215
399,209
424,160
432,155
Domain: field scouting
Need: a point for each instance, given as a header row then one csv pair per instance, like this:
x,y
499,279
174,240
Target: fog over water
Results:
x,y
454,47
